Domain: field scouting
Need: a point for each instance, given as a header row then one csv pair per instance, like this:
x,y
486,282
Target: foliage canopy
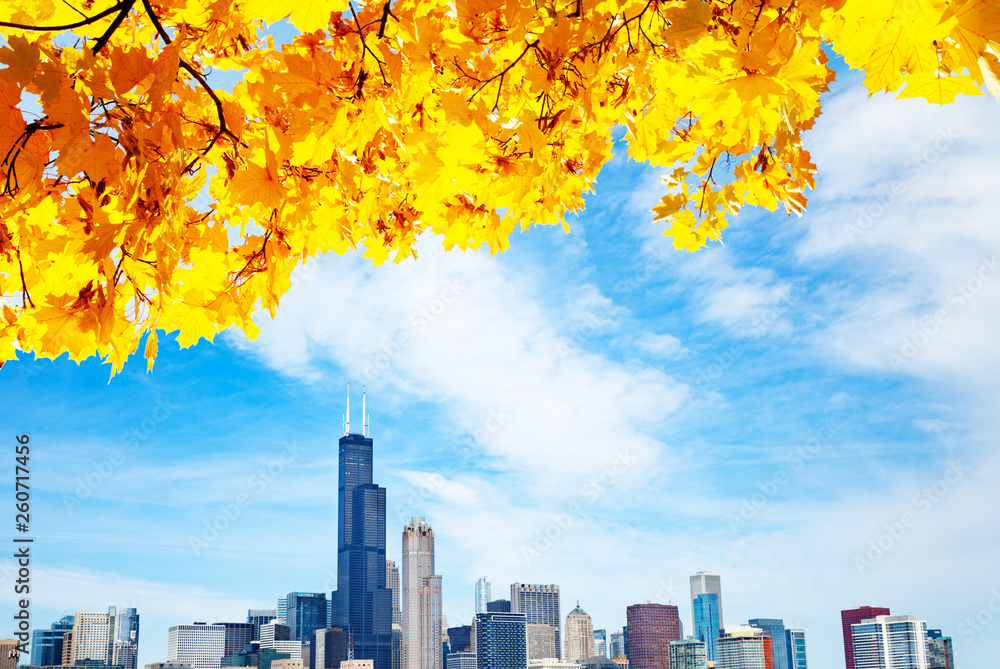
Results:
x,y
134,196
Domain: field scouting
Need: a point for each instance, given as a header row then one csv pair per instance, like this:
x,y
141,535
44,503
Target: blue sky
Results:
x,y
594,409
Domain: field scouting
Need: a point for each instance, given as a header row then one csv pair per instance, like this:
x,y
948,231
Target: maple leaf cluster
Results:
x,y
135,197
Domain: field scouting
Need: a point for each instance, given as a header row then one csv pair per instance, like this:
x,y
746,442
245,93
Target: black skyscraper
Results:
x,y
362,604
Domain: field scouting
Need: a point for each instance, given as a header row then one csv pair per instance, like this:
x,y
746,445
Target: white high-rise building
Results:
x,y
540,605
273,632
200,644
482,594
579,635
706,582
421,599
93,636
890,642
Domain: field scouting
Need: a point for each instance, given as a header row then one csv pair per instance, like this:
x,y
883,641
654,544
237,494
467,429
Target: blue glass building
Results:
x,y
775,628
47,645
795,640
362,604
706,621
305,612
501,641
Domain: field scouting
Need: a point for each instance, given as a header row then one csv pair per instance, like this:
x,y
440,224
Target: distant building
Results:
x,y
199,644
357,664
392,583
258,617
707,626
292,647
745,649
616,645
421,599
705,582
255,656
774,628
461,660
939,651
93,636
501,641
498,606
123,654
541,641
552,663
8,653
361,603
305,612
237,636
482,595
288,663
329,648
890,642
795,642
601,643
651,628
47,645
540,605
849,617
461,639
169,665
274,631
579,635
598,662
689,654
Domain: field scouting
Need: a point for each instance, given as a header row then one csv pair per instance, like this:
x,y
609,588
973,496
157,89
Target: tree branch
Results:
x,y
103,39
68,26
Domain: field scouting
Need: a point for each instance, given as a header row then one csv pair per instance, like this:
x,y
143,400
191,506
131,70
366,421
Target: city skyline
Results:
x,y
773,410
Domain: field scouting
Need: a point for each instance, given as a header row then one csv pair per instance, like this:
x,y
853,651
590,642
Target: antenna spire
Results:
x,y
347,416
364,414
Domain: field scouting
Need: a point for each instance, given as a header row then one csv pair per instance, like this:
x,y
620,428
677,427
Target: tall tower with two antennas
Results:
x,y
362,604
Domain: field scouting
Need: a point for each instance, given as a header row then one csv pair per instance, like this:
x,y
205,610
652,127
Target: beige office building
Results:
x,y
579,635
421,599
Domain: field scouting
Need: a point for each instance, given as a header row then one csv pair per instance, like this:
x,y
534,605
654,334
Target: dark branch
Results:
x,y
103,39
68,26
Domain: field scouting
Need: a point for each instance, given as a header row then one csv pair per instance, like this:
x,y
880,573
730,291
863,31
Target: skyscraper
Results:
x,y
200,644
705,582
601,643
617,645
126,644
890,642
93,636
305,613
392,582
774,628
482,594
362,604
706,622
258,617
795,640
939,651
579,635
421,599
849,617
651,628
688,654
540,605
498,606
237,636
541,641
47,645
500,641
329,648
